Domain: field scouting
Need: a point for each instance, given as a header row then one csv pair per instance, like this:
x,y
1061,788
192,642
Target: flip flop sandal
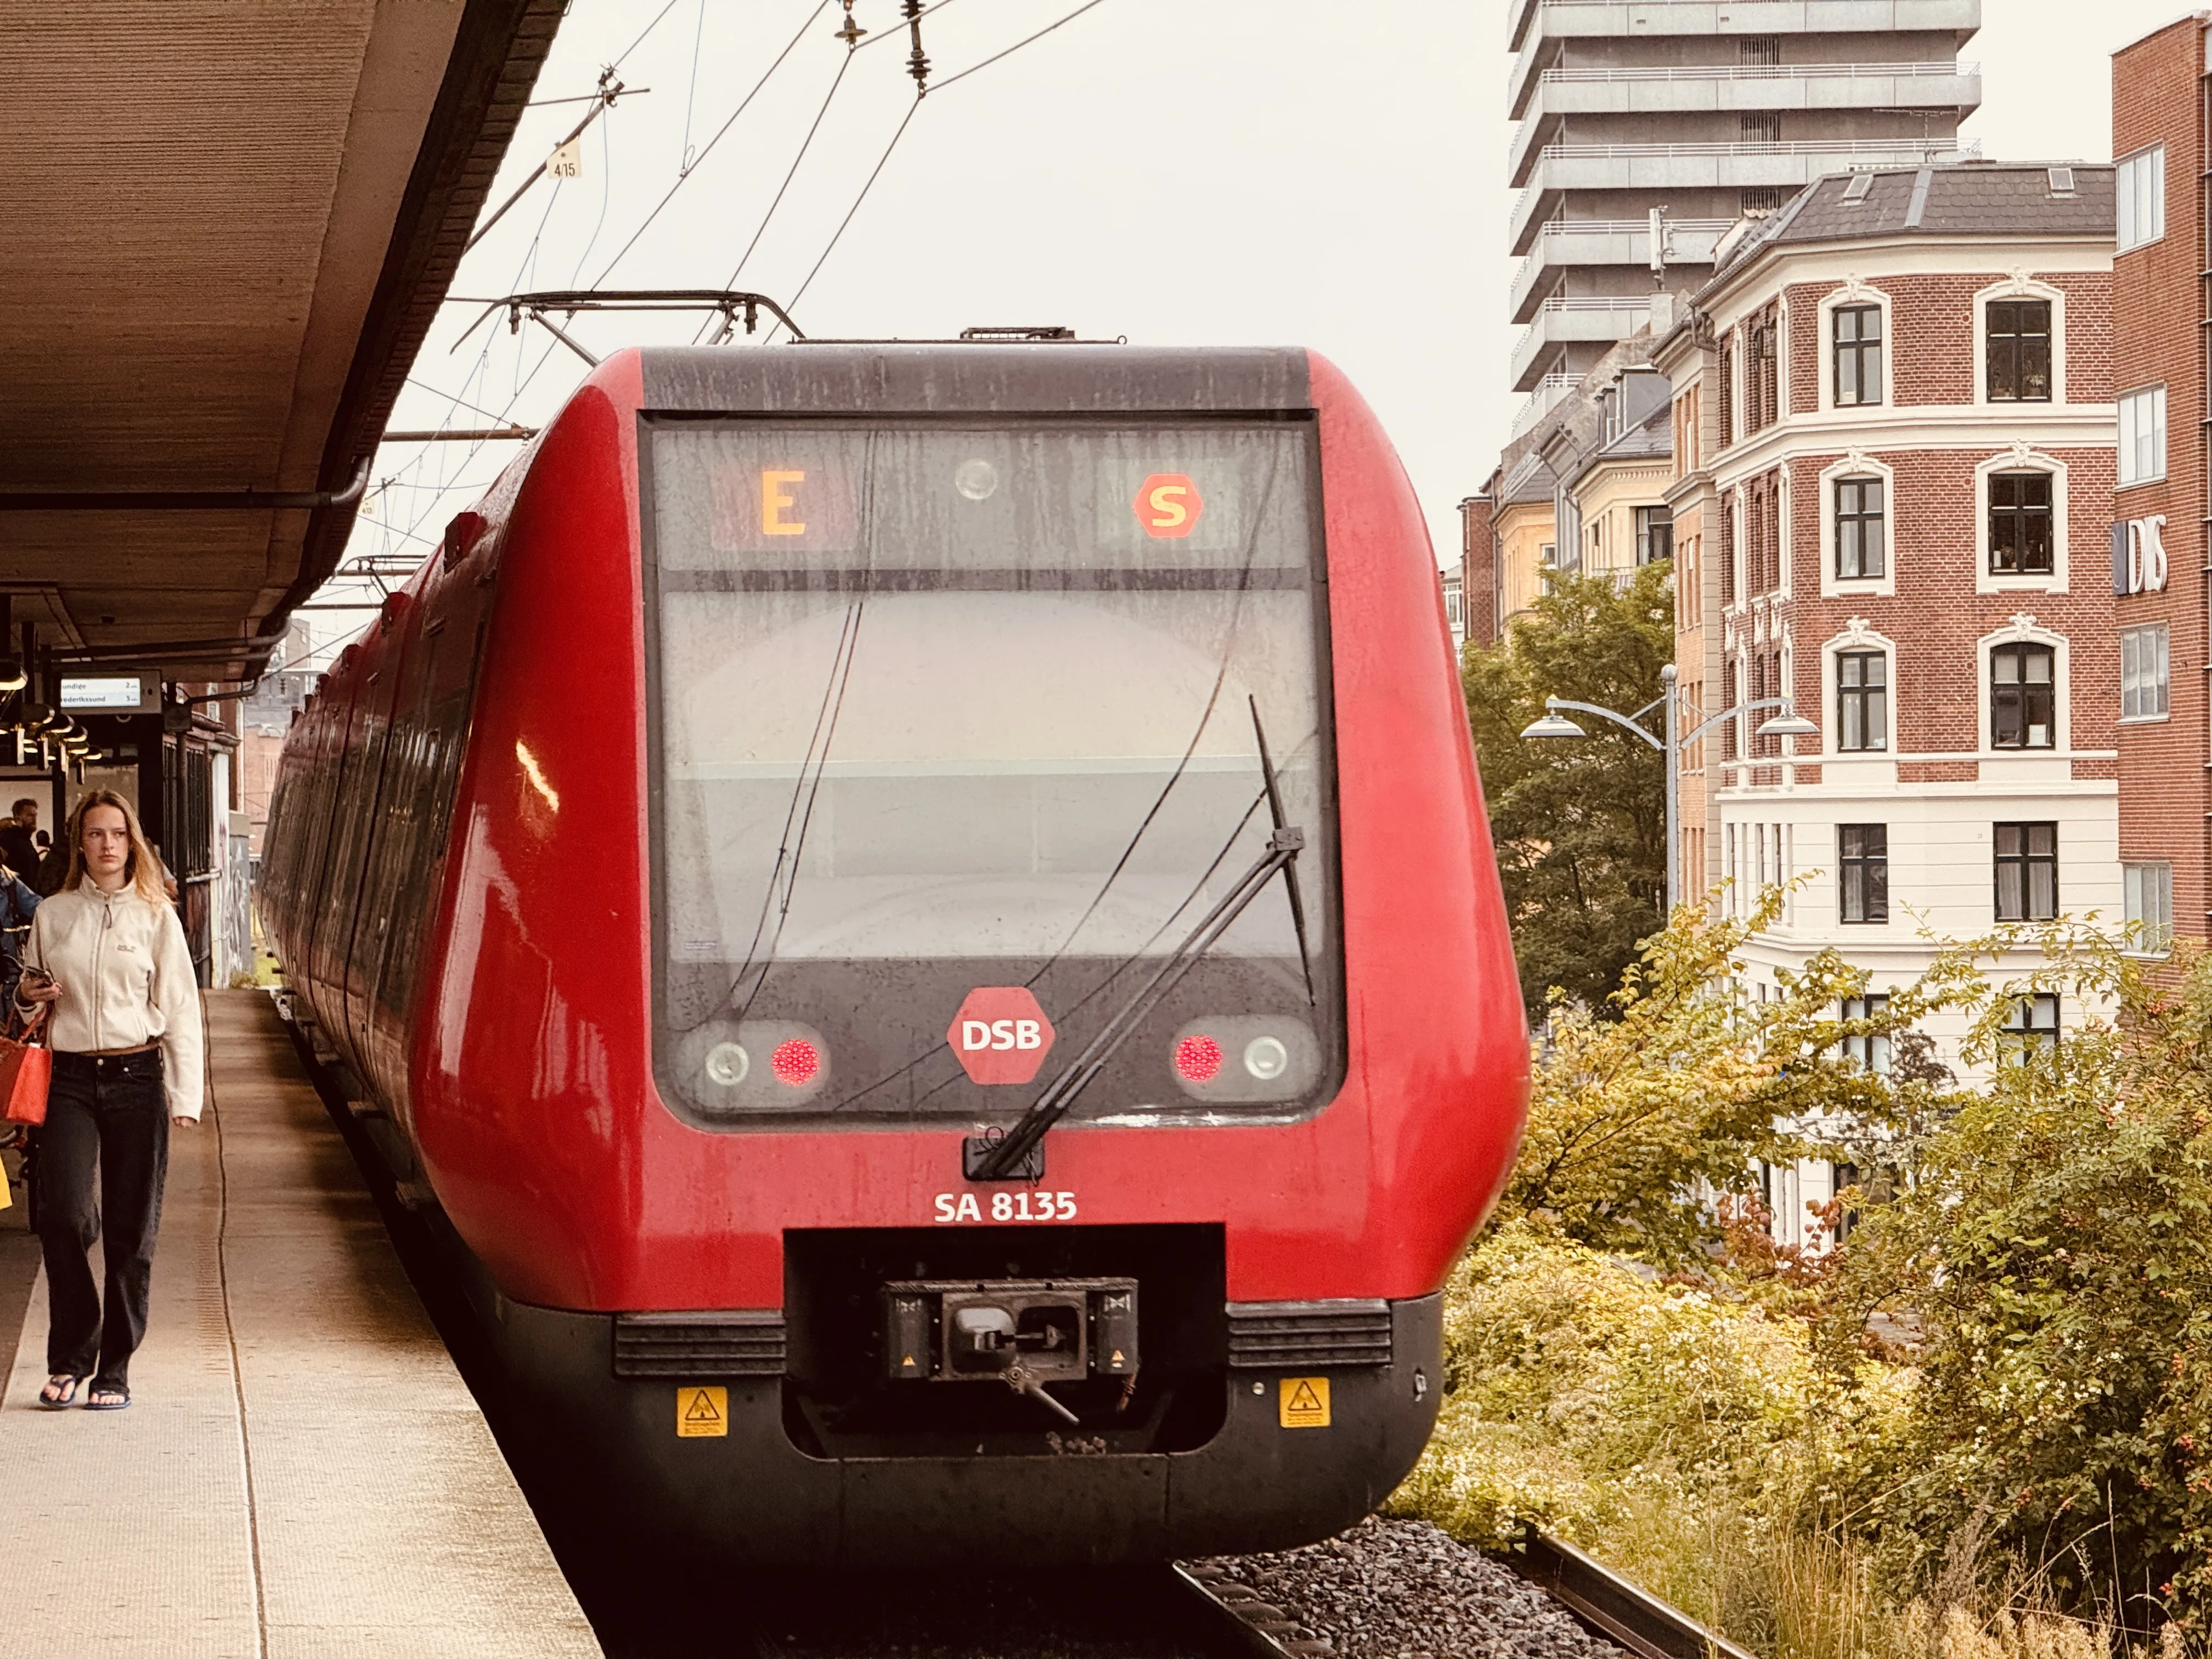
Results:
x,y
107,1397
60,1392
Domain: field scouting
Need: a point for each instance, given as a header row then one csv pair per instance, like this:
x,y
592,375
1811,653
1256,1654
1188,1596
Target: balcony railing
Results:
x,y
1547,396
1597,302
1900,147
1632,227
1880,152
1760,72
1624,314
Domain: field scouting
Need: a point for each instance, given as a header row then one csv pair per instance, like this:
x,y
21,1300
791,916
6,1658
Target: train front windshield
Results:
x,y
941,709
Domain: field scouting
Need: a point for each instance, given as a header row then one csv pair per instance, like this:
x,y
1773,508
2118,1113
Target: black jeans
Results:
x,y
111,1113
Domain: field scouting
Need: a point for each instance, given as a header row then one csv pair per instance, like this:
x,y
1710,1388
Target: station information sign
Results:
x,y
110,693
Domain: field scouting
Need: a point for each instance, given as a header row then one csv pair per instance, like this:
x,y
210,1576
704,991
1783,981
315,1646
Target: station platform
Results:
x,y
302,1470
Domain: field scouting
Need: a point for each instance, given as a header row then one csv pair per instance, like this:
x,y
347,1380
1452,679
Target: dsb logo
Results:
x,y
999,1034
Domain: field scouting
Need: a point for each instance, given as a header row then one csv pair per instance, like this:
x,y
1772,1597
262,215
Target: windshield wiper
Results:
x,y
1018,1154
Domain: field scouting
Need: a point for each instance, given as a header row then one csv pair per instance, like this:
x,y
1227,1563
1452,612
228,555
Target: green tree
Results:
x,y
1580,825
1644,1113
2054,1249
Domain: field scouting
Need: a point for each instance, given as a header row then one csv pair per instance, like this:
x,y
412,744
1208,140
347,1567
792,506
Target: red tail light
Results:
x,y
1198,1058
796,1061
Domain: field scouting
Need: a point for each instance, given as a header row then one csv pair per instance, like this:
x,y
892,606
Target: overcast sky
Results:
x,y
1320,173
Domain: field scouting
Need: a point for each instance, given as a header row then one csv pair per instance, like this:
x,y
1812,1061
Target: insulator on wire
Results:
x,y
917,64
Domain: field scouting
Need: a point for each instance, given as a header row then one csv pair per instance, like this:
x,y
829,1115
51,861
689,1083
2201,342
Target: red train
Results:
x,y
925,913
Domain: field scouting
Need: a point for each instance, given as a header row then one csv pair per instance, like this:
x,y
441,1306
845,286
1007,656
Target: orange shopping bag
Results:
x,y
26,1069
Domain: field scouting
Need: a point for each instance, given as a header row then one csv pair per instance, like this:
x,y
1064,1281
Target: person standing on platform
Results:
x,y
19,846
108,965
18,902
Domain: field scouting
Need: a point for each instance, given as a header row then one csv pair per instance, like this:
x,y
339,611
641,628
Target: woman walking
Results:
x,y
107,961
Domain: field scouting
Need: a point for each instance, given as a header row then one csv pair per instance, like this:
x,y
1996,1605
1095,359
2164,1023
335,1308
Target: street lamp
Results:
x,y
1788,723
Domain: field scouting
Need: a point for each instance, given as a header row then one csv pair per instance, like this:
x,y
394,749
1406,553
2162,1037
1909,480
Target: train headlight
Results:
x,y
1266,1058
728,1064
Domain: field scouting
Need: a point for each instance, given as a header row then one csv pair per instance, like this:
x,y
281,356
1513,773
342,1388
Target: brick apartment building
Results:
x,y
2158,296
1478,621
1894,427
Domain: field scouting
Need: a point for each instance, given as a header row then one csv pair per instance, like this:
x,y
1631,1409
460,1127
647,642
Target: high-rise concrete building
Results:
x,y
1701,111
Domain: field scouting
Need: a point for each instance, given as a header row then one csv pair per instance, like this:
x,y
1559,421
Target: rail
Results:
x,y
1615,1608
1961,71
1242,1622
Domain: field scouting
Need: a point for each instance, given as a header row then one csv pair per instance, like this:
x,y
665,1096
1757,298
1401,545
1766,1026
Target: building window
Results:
x,y
2022,697
2032,1026
1863,872
2149,898
1858,355
2019,351
2142,435
1724,372
2141,186
1655,534
1761,373
2143,677
1870,1051
2027,872
2019,524
1862,528
1768,684
1862,701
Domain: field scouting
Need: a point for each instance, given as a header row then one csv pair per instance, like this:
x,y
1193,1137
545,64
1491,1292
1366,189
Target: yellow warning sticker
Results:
x,y
701,1411
1304,1402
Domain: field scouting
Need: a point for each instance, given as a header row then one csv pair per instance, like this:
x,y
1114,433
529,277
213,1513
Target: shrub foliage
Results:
x,y
1984,1415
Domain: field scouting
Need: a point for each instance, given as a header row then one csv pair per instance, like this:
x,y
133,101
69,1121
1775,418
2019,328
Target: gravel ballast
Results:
x,y
1404,1589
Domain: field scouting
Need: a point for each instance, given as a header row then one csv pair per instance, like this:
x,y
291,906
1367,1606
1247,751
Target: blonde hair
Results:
x,y
142,870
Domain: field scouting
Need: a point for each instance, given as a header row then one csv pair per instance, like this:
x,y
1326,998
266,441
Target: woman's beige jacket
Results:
x,y
126,978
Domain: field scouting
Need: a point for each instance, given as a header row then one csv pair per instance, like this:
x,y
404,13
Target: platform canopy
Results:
x,y
228,226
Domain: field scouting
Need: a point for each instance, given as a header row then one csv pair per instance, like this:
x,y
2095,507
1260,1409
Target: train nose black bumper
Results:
x,y
1315,1431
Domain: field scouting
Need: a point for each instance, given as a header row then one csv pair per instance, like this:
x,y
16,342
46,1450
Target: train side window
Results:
x,y
395,976
440,741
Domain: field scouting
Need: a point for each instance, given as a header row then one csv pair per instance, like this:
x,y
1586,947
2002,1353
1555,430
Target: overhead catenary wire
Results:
x,y
921,92
707,148
691,96
805,144
640,41
837,235
525,380
951,79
